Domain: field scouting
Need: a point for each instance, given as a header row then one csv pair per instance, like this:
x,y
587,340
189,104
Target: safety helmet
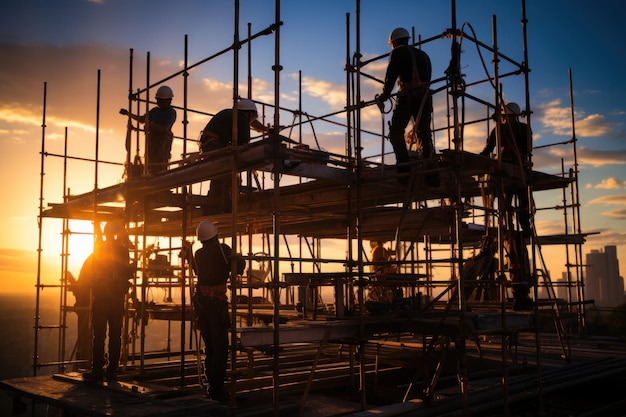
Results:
x,y
398,33
513,109
113,227
164,92
246,105
205,231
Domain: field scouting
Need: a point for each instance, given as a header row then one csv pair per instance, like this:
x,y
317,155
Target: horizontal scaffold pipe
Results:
x,y
267,31
76,158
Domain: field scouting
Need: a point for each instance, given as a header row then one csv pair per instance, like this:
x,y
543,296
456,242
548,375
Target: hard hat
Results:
x,y
205,231
164,92
113,227
398,33
513,108
246,105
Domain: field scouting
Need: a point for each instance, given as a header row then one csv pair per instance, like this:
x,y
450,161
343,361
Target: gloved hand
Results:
x,y
124,112
380,101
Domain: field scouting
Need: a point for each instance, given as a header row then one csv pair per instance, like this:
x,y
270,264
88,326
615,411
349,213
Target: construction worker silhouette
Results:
x,y
159,122
109,284
217,134
411,69
515,148
212,265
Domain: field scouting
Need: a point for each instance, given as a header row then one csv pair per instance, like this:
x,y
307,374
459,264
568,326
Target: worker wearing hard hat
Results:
x,y
218,134
110,271
516,140
411,69
159,136
515,148
212,265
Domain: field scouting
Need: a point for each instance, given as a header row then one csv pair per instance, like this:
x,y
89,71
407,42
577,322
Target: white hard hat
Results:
x,y
246,105
205,231
164,92
398,33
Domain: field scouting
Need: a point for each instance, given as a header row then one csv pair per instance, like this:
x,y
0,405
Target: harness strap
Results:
x,y
213,290
416,85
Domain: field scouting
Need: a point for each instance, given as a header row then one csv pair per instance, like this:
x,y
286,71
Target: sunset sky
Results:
x,y
64,43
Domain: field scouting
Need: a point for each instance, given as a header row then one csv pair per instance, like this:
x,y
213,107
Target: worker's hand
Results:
x,y
380,101
124,112
186,251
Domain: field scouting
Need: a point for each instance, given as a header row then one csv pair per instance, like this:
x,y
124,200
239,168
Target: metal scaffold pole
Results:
x,y
274,138
40,233
234,177
582,328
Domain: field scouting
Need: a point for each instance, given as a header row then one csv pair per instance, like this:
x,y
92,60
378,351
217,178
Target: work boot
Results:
x,y
94,375
220,396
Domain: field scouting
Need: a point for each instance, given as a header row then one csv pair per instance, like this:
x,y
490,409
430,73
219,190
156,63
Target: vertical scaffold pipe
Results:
x,y
64,266
129,122
144,258
276,217
183,271
358,220
503,215
339,304
185,97
97,156
40,231
576,212
234,193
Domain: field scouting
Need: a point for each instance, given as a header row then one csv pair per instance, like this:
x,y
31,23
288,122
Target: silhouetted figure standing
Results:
x,y
212,264
159,121
411,69
111,272
515,148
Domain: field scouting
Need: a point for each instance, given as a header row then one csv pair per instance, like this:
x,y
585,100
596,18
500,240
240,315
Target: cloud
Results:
x,y
594,125
610,184
612,199
603,236
616,214
592,157
333,94
558,119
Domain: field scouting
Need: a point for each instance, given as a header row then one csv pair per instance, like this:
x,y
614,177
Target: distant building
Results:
x,y
566,290
603,283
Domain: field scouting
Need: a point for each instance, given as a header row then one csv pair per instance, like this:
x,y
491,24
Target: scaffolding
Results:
x,y
293,199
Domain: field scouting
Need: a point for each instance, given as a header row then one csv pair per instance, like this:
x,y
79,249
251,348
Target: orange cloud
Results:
x,y
592,157
610,183
558,119
612,199
615,214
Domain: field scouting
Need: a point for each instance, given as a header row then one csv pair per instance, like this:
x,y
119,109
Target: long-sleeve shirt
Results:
x,y
400,67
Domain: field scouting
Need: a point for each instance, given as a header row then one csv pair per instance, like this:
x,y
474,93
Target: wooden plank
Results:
x,y
94,400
